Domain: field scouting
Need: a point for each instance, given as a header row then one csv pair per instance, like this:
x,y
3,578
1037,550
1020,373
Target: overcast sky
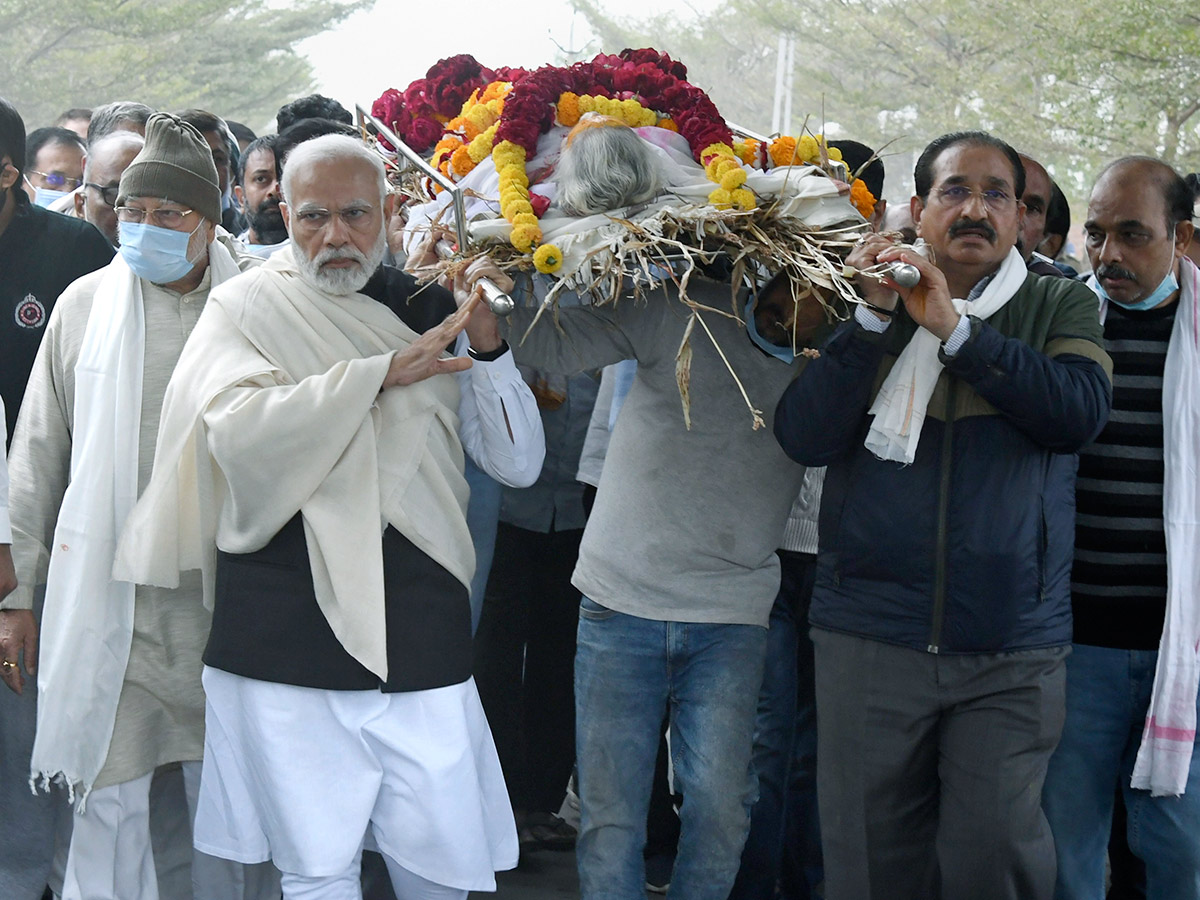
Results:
x,y
396,41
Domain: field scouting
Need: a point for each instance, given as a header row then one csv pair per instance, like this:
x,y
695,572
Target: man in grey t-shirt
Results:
x,y
677,567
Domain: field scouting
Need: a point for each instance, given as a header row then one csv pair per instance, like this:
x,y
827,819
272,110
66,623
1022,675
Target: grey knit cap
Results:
x,y
176,164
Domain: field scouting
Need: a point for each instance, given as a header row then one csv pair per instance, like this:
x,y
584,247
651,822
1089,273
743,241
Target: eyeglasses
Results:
x,y
162,217
58,180
108,193
357,218
957,195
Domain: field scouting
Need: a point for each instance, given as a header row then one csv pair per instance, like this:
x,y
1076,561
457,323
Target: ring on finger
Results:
x,y
8,664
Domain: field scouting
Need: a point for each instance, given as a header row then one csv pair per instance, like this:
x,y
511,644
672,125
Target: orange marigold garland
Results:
x,y
862,198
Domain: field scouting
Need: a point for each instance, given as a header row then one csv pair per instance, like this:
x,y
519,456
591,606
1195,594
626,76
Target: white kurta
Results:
x,y
160,712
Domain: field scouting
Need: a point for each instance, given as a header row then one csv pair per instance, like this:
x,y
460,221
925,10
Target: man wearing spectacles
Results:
x,y
53,164
119,666
949,415
339,578
106,159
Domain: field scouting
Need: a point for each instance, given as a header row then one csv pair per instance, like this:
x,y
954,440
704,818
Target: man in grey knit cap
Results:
x,y
118,667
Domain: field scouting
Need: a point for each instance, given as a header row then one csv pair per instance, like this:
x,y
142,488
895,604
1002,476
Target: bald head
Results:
x,y
1148,172
1139,224
109,151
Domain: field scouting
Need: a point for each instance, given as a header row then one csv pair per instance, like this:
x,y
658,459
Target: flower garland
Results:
x,y
638,87
814,151
571,107
419,113
469,136
463,113
862,198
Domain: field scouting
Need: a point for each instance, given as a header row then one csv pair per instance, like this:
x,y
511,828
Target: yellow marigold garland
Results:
x,y
782,151
571,106
722,166
787,151
547,259
509,159
747,150
481,148
567,110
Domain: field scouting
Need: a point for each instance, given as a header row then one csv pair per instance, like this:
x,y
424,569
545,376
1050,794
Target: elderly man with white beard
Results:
x,y
311,466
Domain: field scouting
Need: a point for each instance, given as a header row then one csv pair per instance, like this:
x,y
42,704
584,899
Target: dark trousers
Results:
x,y
783,848
930,770
524,662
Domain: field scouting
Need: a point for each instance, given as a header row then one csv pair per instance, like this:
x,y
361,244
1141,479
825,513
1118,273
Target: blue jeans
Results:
x,y
1108,694
785,835
629,672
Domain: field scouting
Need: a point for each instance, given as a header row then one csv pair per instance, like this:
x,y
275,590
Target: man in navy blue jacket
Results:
x,y
941,615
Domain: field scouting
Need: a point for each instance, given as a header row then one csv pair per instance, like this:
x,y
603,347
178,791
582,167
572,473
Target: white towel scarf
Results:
x,y
1169,734
899,408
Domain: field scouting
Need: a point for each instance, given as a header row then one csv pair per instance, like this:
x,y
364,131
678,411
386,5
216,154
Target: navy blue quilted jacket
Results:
x,y
968,549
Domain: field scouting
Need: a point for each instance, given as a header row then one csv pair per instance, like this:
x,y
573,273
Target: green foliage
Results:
x,y
1073,84
237,59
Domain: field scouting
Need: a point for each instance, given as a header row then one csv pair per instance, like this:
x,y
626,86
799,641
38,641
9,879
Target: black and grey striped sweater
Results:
x,y
1119,580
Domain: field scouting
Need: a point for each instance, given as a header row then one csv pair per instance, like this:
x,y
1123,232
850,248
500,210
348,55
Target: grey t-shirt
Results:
x,y
686,522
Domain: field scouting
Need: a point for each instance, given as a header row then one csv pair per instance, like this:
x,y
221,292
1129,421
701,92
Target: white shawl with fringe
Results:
x,y
1169,734
87,626
275,408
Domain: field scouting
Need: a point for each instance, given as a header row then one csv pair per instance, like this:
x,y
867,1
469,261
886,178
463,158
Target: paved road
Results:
x,y
544,875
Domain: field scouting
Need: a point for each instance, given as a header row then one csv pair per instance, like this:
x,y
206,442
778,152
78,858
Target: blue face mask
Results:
x,y
783,354
1168,286
44,197
157,254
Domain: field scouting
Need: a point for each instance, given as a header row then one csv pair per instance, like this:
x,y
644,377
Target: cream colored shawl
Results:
x,y
274,409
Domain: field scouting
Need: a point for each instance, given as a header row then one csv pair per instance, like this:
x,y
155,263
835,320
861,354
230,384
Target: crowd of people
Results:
x,y
318,580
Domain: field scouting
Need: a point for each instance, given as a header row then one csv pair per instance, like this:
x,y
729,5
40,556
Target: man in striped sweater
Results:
x,y
1138,228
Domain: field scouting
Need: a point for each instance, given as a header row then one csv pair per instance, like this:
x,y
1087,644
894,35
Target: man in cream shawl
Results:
x,y
941,614
118,675
310,465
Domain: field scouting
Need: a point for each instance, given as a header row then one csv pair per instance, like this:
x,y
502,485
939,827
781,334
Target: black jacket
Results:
x,y
41,252
968,549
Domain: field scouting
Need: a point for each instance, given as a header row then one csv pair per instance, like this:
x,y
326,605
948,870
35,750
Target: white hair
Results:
x,y
120,139
605,168
331,148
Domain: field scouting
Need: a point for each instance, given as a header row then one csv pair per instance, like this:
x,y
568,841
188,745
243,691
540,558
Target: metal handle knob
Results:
x,y
498,302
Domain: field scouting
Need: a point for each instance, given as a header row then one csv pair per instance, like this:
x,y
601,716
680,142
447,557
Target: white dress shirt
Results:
x,y
489,391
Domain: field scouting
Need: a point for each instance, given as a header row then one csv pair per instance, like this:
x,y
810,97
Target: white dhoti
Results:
x,y
298,775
